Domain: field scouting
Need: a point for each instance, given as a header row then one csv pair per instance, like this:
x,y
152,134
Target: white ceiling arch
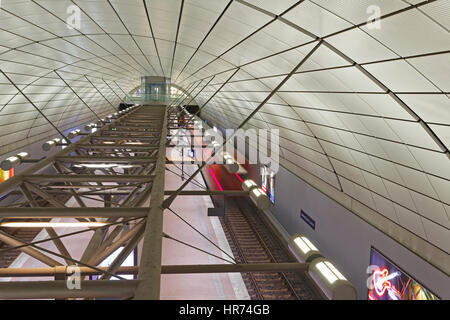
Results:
x,y
365,119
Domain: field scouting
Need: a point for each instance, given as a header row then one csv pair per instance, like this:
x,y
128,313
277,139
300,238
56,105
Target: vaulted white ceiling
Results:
x,y
368,113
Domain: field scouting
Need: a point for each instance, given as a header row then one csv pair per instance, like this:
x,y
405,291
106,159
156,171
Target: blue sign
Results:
x,y
309,221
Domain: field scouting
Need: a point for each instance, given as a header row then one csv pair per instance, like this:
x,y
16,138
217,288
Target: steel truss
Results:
x,y
120,167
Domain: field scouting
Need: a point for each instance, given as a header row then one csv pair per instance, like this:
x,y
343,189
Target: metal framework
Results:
x,y
120,167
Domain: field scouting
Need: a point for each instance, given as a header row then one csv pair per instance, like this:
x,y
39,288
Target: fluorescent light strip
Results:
x,y
52,224
326,272
335,271
309,244
302,245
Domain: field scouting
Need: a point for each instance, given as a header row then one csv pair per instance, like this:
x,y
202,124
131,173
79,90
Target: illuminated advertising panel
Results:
x,y
388,282
5,175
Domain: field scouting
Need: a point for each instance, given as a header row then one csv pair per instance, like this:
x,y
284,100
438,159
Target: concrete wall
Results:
x,y
344,238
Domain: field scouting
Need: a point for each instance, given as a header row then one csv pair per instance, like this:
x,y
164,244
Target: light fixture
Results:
x,y
303,249
257,195
88,127
103,166
230,165
51,224
74,134
47,146
248,184
331,281
13,161
134,144
260,198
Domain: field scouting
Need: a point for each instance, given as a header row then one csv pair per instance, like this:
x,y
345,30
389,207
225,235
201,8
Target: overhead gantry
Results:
x,y
116,178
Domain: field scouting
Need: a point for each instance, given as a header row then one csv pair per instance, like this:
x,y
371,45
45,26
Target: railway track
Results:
x,y
252,242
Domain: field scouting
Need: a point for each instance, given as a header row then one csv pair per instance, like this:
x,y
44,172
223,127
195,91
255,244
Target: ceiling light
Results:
x,y
331,281
103,166
47,146
248,184
74,134
89,126
260,198
134,143
13,161
230,165
303,249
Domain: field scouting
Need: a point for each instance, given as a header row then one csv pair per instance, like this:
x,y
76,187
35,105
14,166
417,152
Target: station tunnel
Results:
x,y
225,149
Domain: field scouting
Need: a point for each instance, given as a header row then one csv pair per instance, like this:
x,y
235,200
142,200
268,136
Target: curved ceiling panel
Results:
x,y
367,111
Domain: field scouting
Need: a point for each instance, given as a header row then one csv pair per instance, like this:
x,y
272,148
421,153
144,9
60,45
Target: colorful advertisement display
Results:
x,y
388,282
5,175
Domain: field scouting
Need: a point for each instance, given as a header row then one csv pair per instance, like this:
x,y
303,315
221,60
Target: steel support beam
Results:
x,y
102,252
118,146
17,180
92,159
89,212
208,193
86,178
131,245
150,266
58,289
167,269
30,251
50,231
